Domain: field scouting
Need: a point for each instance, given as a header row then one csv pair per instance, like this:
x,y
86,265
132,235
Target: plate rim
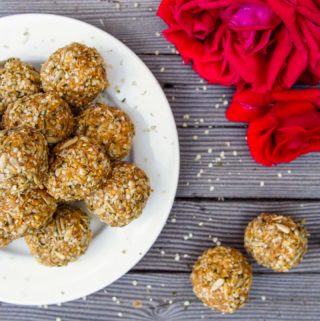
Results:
x,y
175,138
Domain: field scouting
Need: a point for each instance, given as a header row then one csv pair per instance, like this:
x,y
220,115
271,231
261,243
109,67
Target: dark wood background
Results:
x,y
220,190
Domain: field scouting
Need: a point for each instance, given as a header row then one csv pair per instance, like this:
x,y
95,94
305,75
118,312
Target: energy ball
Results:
x,y
46,112
108,126
77,168
76,72
23,213
222,279
122,197
63,240
23,159
17,79
276,241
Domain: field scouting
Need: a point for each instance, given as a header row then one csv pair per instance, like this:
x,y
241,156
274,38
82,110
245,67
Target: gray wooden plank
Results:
x,y
217,163
166,297
194,226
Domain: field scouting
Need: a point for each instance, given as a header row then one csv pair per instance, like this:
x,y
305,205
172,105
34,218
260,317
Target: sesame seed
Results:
x,y
157,34
177,257
186,303
186,116
262,183
263,298
162,69
279,175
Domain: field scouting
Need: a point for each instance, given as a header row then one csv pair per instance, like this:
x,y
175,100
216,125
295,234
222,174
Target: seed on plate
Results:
x,y
76,73
122,197
276,241
108,126
222,279
77,168
50,247
46,112
17,79
24,159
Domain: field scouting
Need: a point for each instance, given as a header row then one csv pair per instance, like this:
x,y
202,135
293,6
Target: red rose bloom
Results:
x,y
282,125
260,44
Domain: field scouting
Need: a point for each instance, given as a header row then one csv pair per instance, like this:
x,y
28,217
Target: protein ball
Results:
x,y
76,72
122,197
108,126
46,112
24,213
222,279
17,79
276,241
63,240
77,168
23,159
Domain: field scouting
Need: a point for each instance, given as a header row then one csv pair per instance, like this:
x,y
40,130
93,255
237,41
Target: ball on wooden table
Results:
x,y
76,73
222,279
276,241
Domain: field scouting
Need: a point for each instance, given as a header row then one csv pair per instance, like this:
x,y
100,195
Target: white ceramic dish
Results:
x,y
114,251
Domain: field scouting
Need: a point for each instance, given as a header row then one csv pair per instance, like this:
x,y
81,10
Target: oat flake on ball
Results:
x,y
222,279
46,112
122,197
63,240
22,214
77,168
76,73
108,126
276,241
23,159
17,79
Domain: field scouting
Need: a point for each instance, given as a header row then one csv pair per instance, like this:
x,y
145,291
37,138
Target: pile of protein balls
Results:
x,y
222,276
58,146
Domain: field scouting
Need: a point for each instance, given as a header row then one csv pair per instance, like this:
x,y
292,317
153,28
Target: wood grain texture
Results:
x,y
169,297
218,164
195,226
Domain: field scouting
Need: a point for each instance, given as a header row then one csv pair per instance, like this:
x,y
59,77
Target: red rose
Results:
x,y
263,44
282,126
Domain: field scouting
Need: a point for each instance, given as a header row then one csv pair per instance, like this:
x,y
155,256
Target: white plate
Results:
x,y
114,251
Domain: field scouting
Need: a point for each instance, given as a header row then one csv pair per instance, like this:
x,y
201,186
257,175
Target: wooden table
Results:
x,y
221,188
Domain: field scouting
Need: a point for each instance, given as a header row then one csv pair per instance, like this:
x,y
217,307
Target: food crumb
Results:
x,y
177,257
137,304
